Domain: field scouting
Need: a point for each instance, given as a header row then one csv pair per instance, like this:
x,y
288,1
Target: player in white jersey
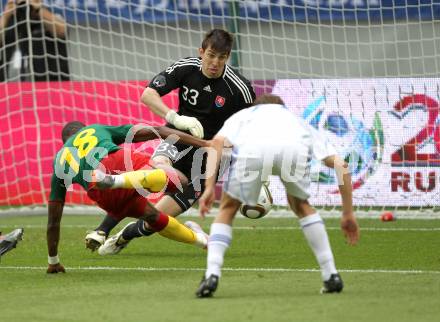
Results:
x,y
267,139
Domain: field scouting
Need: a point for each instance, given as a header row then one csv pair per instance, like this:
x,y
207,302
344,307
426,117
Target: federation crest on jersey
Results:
x,y
220,101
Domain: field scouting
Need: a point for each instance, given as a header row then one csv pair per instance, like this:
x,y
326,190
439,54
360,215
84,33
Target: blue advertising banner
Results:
x,y
159,11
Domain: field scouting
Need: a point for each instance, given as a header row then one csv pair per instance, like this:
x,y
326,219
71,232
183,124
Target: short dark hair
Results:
x,y
268,99
218,39
70,129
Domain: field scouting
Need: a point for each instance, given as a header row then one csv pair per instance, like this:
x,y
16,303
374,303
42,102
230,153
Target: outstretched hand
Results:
x,y
206,201
350,228
55,268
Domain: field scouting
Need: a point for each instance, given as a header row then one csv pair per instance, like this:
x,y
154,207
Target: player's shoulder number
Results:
x,y
83,143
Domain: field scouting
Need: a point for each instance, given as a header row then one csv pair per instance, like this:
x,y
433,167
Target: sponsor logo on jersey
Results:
x,y
207,88
159,81
220,101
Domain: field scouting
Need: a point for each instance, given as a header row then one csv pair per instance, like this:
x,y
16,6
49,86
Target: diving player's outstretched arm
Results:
x,y
146,134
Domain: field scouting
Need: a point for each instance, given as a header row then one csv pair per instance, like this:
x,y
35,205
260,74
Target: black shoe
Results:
x,y
333,285
207,286
9,241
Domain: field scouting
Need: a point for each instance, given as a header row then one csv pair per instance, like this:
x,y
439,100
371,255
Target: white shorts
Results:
x,y
248,171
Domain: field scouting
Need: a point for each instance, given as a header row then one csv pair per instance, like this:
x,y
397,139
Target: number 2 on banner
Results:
x,y
407,154
84,142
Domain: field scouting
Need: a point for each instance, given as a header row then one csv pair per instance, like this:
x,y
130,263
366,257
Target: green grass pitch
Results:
x,y
270,275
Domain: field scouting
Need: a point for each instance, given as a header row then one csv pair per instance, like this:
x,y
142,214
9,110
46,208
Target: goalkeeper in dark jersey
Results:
x,y
210,91
115,178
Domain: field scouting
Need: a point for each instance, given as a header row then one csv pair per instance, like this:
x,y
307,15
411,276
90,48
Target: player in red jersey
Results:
x,y
112,176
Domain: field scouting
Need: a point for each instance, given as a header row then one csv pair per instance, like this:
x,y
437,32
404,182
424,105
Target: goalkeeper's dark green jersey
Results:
x,y
82,153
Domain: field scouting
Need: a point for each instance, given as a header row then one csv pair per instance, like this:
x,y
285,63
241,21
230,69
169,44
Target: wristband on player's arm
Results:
x,y
53,260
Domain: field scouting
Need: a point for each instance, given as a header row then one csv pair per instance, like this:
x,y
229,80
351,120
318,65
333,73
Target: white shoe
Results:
x,y
202,237
102,180
9,241
94,239
114,244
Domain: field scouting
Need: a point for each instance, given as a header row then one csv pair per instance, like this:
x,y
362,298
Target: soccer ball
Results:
x,y
263,206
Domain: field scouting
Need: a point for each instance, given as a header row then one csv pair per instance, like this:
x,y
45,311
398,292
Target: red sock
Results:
x,y
173,183
161,222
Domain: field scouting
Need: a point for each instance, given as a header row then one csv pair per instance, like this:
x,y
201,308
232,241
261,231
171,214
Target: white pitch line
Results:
x,y
250,228
338,228
238,269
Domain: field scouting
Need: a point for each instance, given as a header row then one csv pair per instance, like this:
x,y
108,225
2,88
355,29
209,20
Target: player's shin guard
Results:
x,y
137,230
170,228
153,180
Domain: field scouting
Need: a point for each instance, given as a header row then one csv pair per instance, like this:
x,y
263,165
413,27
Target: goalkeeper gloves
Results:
x,y
185,123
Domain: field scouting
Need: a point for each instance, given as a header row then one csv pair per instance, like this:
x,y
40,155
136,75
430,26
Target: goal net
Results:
x,y
364,72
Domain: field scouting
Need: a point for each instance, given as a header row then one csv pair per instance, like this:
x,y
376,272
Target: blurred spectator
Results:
x,y
47,40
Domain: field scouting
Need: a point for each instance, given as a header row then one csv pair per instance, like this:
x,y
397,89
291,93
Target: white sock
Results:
x,y
219,240
314,230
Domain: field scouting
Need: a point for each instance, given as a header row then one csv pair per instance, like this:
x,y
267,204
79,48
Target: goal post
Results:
x,y
364,72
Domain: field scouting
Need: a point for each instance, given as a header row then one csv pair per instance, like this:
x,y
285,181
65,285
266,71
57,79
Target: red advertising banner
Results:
x,y
36,112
